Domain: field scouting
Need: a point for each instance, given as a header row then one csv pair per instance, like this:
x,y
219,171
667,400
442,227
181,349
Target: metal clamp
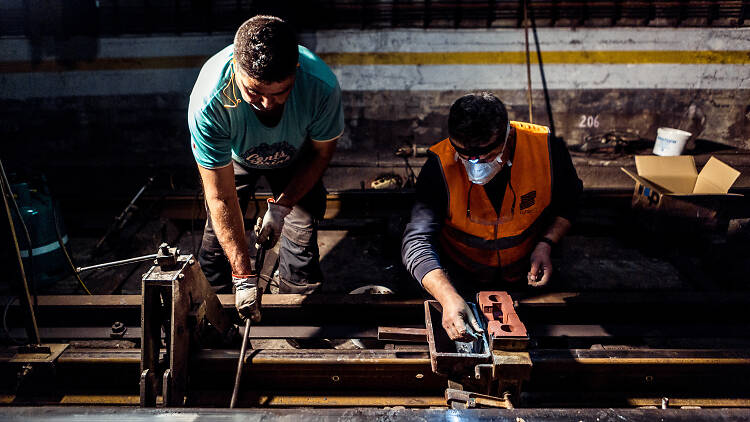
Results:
x,y
459,399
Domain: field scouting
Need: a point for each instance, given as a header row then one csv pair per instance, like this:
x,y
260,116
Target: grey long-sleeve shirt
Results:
x,y
419,251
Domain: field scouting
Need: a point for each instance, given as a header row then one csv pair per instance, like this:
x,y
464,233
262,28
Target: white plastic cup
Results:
x,y
670,141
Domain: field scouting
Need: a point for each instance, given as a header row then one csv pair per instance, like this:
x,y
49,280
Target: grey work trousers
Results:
x,y
299,257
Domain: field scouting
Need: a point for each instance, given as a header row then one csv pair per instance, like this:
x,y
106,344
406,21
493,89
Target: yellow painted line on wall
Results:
x,y
434,58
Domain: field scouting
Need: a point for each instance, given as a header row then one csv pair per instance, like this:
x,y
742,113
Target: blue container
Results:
x,y
48,264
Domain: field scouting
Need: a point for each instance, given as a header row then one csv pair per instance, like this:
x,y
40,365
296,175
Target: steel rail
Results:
x,y
558,399
106,414
333,400
547,357
554,299
643,356
301,399
249,397
357,377
537,331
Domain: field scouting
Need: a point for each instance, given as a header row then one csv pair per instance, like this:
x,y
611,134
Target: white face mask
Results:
x,y
480,173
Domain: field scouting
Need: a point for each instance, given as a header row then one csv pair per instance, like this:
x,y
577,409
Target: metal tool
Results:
x,y
116,263
238,375
259,258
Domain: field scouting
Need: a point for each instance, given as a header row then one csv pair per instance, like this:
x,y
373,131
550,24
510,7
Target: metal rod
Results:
x,y
117,263
260,257
240,364
32,329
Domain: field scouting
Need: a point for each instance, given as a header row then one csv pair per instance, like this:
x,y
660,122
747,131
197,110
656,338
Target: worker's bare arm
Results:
x,y
226,216
557,229
456,312
541,262
311,169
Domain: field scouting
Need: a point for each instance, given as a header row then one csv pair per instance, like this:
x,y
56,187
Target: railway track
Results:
x,y
595,349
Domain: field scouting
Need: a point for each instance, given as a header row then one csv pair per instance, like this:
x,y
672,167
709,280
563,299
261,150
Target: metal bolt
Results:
x,y
508,400
25,371
649,378
420,376
118,330
191,262
156,262
118,327
181,276
335,378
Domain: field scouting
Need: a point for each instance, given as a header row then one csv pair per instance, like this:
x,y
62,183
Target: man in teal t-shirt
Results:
x,y
264,106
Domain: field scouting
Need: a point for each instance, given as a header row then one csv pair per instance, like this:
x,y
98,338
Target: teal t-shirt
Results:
x,y
223,127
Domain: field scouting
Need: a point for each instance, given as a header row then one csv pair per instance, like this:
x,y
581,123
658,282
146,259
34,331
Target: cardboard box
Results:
x,y
672,187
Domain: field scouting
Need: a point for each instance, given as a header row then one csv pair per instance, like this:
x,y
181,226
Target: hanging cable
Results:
x,y
528,58
65,249
32,329
5,321
30,273
547,102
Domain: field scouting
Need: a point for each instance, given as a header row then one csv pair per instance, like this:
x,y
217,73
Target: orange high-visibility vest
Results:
x,y
473,233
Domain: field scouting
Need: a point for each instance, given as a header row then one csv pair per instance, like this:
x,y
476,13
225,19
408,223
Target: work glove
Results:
x,y
459,321
247,296
541,265
273,222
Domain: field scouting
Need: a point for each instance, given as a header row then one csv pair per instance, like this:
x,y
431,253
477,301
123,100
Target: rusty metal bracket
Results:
x,y
477,380
177,297
510,370
166,257
448,357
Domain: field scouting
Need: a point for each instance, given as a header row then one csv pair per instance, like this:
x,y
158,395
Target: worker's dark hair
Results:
x,y
265,48
474,118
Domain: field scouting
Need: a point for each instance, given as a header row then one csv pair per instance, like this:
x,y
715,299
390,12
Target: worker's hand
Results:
x,y
247,296
273,221
459,321
541,265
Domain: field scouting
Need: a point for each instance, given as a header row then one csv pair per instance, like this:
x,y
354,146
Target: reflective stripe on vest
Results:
x,y
473,233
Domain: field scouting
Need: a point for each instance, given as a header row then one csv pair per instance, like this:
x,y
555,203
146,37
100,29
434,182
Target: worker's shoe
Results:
x,y
247,297
297,288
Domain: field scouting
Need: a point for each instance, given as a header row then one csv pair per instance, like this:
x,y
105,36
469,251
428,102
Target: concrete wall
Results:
x,y
120,104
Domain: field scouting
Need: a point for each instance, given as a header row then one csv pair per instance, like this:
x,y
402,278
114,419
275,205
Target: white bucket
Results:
x,y
670,141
